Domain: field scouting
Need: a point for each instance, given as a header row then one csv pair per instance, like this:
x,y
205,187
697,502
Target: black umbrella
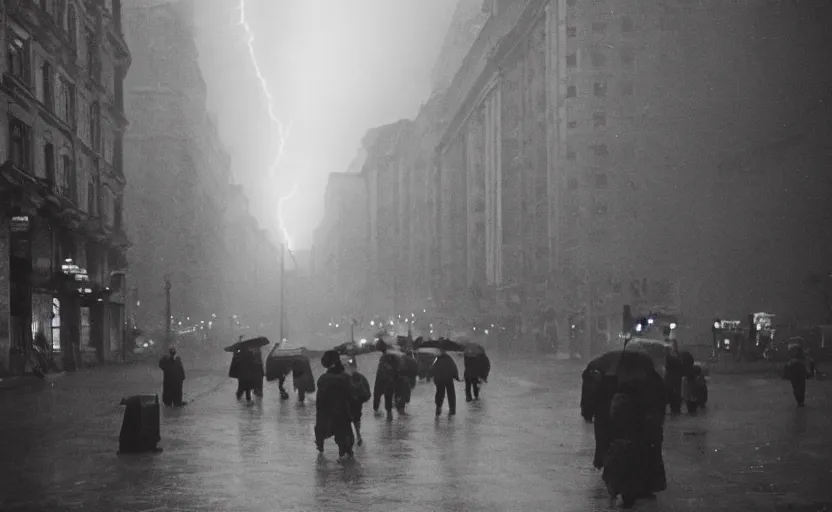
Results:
x,y
627,365
473,349
443,344
260,341
282,361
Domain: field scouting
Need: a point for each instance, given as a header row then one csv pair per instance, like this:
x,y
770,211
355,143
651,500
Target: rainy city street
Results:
x,y
522,447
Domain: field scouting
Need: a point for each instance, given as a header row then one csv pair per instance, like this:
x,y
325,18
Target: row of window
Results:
x,y
60,173
51,82
600,181
600,150
600,27
599,89
598,58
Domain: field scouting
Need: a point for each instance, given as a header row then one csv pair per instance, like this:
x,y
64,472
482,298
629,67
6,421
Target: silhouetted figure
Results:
x,y
247,367
477,369
445,373
333,406
674,370
173,376
795,372
361,394
387,376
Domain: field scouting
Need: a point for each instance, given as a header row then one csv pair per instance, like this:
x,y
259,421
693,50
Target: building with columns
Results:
x,y
595,154
62,239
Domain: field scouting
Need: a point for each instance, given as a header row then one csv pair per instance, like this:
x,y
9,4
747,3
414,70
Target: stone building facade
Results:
x,y
593,154
251,273
62,242
189,222
340,247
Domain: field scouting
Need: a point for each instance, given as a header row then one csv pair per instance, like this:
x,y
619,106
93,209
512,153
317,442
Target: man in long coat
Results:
x,y
333,406
173,376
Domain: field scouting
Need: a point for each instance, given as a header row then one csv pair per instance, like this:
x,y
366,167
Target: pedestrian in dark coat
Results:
x,y
796,372
247,365
590,380
625,462
333,406
674,370
694,389
303,379
445,372
603,392
361,394
477,369
387,377
408,372
654,406
173,376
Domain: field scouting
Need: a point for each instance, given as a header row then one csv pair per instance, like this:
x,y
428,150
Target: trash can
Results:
x,y
140,427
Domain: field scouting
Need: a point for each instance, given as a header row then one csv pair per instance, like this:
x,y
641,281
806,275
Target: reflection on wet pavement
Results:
x,y
522,447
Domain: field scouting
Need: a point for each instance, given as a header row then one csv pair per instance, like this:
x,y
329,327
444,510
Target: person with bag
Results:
x,y
361,394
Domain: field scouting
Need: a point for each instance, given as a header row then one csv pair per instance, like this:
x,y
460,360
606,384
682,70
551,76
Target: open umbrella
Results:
x,y
282,361
442,343
627,365
472,350
260,341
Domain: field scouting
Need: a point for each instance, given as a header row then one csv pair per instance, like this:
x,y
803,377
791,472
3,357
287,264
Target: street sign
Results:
x,y
20,224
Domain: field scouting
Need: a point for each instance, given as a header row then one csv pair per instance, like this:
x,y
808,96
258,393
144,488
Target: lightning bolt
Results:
x,y
281,130
280,202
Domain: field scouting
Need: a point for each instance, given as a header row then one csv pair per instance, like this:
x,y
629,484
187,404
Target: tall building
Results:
x,y
383,172
340,246
190,224
466,23
62,242
252,272
659,154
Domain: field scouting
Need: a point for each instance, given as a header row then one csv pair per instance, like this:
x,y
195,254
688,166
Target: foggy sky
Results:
x,y
336,68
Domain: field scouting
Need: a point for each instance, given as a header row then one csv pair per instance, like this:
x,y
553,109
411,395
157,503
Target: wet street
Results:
x,y
522,447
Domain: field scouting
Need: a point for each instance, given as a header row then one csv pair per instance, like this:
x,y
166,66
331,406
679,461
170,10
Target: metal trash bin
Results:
x,y
140,427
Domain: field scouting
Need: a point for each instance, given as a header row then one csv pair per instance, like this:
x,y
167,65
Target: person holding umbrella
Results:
x,y
477,368
387,376
445,372
247,366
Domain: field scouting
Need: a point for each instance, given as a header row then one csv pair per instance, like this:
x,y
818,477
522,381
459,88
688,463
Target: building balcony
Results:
x,y
19,89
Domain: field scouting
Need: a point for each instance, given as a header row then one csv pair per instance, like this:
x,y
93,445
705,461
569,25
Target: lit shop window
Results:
x,y
56,324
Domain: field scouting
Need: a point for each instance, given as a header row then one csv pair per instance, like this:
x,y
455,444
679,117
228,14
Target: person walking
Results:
x,y
387,376
333,403
796,372
361,394
477,368
445,372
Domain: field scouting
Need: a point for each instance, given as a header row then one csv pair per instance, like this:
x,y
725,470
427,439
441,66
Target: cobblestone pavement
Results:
x,y
523,447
